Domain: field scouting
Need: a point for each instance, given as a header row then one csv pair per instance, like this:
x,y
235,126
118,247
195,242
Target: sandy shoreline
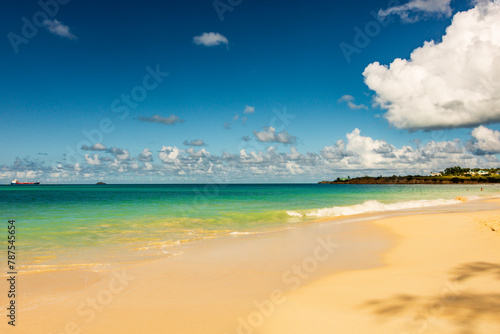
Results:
x,y
391,275
443,276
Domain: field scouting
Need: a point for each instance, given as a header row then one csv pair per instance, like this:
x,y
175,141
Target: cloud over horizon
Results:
x,y
356,155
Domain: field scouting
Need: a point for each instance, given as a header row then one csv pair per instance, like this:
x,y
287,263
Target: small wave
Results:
x,y
373,206
244,233
294,214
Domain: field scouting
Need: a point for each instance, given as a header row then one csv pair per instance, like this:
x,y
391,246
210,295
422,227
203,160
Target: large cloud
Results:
x,y
451,84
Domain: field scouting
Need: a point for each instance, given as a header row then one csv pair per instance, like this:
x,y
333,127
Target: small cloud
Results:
x,y
58,28
196,142
246,138
146,155
416,10
244,119
170,120
249,110
227,125
95,147
349,100
210,39
235,118
40,153
346,98
269,135
92,160
119,153
485,141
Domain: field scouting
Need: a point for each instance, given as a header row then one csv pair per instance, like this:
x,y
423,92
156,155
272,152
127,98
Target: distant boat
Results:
x,y
15,182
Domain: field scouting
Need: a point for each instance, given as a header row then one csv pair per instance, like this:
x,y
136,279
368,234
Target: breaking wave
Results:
x,y
373,206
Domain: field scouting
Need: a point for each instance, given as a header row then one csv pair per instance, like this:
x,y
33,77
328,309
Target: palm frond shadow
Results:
x,y
451,304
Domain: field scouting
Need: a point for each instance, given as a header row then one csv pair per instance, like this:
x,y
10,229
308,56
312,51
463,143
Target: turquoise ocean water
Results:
x,y
87,225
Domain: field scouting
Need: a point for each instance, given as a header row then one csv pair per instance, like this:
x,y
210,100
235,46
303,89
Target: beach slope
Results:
x,y
442,276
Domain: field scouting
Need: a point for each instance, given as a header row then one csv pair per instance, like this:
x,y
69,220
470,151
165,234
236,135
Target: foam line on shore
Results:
x,y
376,206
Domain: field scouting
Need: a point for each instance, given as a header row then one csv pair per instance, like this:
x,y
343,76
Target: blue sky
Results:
x,y
269,59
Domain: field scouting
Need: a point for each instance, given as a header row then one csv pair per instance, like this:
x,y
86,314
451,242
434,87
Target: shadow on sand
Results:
x,y
465,310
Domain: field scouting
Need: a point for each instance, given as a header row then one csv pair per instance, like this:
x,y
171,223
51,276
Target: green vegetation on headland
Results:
x,y
452,175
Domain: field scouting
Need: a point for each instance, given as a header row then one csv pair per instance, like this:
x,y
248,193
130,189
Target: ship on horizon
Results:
x,y
16,182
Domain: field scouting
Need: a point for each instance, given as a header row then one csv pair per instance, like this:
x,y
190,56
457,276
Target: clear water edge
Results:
x,y
89,226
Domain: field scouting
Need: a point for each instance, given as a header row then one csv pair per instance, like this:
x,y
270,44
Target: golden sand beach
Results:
x,y
435,270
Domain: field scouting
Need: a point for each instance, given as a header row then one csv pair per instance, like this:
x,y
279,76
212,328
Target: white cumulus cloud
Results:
x,y
485,141
58,28
92,160
169,155
210,39
269,135
145,156
451,84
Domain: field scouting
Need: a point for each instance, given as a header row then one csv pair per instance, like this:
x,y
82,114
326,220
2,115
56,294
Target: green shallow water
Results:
x,y
88,224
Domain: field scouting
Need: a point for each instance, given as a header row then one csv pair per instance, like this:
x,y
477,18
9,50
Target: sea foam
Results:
x,y
373,206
